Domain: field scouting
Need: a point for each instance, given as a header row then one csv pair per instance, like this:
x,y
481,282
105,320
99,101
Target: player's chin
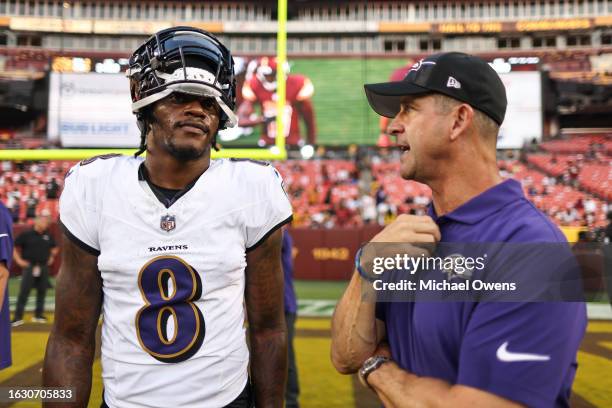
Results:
x,y
188,150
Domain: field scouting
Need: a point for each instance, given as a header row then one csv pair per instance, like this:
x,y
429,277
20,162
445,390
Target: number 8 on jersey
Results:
x,y
169,286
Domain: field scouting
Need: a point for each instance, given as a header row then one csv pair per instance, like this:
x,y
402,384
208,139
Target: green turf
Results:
x,y
311,290
315,290
319,290
342,112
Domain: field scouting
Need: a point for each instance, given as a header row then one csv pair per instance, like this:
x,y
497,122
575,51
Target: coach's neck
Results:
x,y
470,170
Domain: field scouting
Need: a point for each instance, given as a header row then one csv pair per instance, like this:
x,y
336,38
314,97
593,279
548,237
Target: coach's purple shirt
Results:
x,y
6,254
471,343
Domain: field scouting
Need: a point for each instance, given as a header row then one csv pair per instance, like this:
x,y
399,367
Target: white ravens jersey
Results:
x,y
173,330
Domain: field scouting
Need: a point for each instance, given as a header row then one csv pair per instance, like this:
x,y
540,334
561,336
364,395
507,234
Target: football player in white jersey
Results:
x,y
173,250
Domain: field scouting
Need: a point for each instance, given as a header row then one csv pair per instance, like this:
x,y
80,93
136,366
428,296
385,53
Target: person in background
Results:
x,y
34,252
292,389
52,189
6,253
607,250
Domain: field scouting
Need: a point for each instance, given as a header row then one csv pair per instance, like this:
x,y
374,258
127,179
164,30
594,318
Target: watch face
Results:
x,y
370,363
373,363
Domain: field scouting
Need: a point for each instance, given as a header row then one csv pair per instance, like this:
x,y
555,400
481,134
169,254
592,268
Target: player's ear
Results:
x,y
462,118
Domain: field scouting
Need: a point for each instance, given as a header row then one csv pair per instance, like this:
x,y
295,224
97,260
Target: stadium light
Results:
x,y
108,66
307,151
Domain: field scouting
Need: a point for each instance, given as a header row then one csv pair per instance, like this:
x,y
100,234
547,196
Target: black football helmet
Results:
x,y
185,60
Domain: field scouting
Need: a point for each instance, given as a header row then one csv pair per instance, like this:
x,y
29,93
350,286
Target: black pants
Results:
x,y
293,386
40,283
244,400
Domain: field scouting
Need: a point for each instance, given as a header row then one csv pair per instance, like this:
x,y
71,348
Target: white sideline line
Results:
x,y
599,311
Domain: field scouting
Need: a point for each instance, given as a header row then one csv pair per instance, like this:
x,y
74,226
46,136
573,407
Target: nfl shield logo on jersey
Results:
x,y
167,223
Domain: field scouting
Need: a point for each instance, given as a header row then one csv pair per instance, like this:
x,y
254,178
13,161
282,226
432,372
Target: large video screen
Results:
x,y
523,122
326,105
91,110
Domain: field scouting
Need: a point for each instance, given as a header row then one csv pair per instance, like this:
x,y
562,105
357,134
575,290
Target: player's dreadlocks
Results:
x,y
143,141
143,124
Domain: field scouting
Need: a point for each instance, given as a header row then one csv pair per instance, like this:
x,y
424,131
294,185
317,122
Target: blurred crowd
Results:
x,y
29,189
361,186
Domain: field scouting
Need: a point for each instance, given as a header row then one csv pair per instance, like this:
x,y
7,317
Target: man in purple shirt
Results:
x,y
292,389
6,253
446,117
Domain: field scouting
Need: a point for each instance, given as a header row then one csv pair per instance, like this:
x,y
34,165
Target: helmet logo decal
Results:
x,y
194,74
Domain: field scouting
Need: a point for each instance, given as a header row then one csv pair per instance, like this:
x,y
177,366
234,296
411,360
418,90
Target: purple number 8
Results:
x,y
169,286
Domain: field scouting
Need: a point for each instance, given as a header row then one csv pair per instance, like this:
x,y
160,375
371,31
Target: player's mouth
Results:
x,y
193,127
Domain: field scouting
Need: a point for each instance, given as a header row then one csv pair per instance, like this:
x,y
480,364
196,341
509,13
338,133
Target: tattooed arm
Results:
x,y
267,330
71,347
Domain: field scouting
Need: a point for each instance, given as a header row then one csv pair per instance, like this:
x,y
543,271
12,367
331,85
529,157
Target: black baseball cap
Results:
x,y
461,76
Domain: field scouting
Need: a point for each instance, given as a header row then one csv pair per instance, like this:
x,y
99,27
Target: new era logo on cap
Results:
x,y
463,77
453,83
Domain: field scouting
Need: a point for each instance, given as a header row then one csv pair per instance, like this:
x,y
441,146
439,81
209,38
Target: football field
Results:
x,y
321,386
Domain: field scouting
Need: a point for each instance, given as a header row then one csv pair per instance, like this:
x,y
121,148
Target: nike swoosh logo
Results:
x,y
3,235
509,357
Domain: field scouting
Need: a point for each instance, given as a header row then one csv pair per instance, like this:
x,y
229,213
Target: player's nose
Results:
x,y
194,108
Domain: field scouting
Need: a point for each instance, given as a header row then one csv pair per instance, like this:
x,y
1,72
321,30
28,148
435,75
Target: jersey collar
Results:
x,y
483,205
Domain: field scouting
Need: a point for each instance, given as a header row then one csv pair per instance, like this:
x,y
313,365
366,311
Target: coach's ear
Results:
x,y
463,117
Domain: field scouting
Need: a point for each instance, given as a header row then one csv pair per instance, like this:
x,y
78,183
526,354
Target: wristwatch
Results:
x,y
369,366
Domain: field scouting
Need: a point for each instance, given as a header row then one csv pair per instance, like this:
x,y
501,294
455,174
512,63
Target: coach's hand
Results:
x,y
410,229
415,235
